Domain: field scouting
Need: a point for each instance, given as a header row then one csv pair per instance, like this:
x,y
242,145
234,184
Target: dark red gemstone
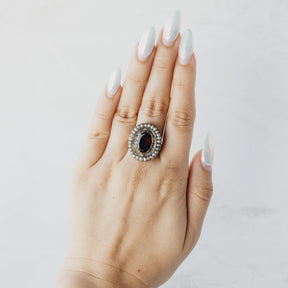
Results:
x,y
144,142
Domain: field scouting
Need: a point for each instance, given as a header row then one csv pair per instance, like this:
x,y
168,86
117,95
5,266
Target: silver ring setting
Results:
x,y
145,142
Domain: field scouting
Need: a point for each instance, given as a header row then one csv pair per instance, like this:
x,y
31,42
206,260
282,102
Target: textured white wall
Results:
x,y
55,57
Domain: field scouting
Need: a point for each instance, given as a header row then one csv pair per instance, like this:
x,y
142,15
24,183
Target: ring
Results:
x,y
145,142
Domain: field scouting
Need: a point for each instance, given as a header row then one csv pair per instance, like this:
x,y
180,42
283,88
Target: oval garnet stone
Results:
x,y
144,142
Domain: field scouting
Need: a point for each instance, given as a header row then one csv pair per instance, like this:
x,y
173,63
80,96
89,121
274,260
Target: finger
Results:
x,y
134,84
156,97
99,129
199,193
181,113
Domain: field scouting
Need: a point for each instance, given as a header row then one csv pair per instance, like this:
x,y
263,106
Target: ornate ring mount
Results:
x,y
145,142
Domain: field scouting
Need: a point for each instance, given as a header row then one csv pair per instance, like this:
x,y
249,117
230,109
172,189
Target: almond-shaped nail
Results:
x,y
171,29
185,48
114,82
207,155
146,44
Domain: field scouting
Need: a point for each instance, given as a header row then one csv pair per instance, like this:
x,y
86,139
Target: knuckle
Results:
x,y
168,180
165,190
173,168
182,82
173,174
154,108
135,178
125,114
102,116
161,63
133,181
182,117
135,77
204,192
97,133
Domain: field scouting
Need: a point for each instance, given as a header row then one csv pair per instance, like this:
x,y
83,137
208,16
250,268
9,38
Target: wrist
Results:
x,y
79,279
88,273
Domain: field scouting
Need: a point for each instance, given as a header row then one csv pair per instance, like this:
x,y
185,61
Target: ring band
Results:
x,y
145,142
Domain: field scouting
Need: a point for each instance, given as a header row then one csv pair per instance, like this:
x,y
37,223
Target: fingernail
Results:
x,y
114,82
185,48
207,153
146,44
171,29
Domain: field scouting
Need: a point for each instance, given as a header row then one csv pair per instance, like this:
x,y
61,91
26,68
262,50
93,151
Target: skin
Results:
x,y
132,223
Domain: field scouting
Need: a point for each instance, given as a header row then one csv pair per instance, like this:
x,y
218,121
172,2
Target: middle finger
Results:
x,y
156,96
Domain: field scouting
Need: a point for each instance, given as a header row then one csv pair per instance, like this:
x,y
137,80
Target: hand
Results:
x,y
132,223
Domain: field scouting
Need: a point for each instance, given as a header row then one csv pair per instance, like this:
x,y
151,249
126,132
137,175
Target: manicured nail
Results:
x,y
207,153
185,48
146,44
171,29
114,82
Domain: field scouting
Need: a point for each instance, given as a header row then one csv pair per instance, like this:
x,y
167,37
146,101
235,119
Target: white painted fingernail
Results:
x,y
114,82
171,29
207,155
146,44
185,48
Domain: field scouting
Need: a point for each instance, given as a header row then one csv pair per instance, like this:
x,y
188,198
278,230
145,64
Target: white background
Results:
x,y
56,56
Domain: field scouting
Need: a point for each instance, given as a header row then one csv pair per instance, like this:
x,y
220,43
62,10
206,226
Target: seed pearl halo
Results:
x,y
145,142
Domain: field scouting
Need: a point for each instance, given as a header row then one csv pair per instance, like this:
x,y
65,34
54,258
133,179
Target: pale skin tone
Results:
x,y
132,223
